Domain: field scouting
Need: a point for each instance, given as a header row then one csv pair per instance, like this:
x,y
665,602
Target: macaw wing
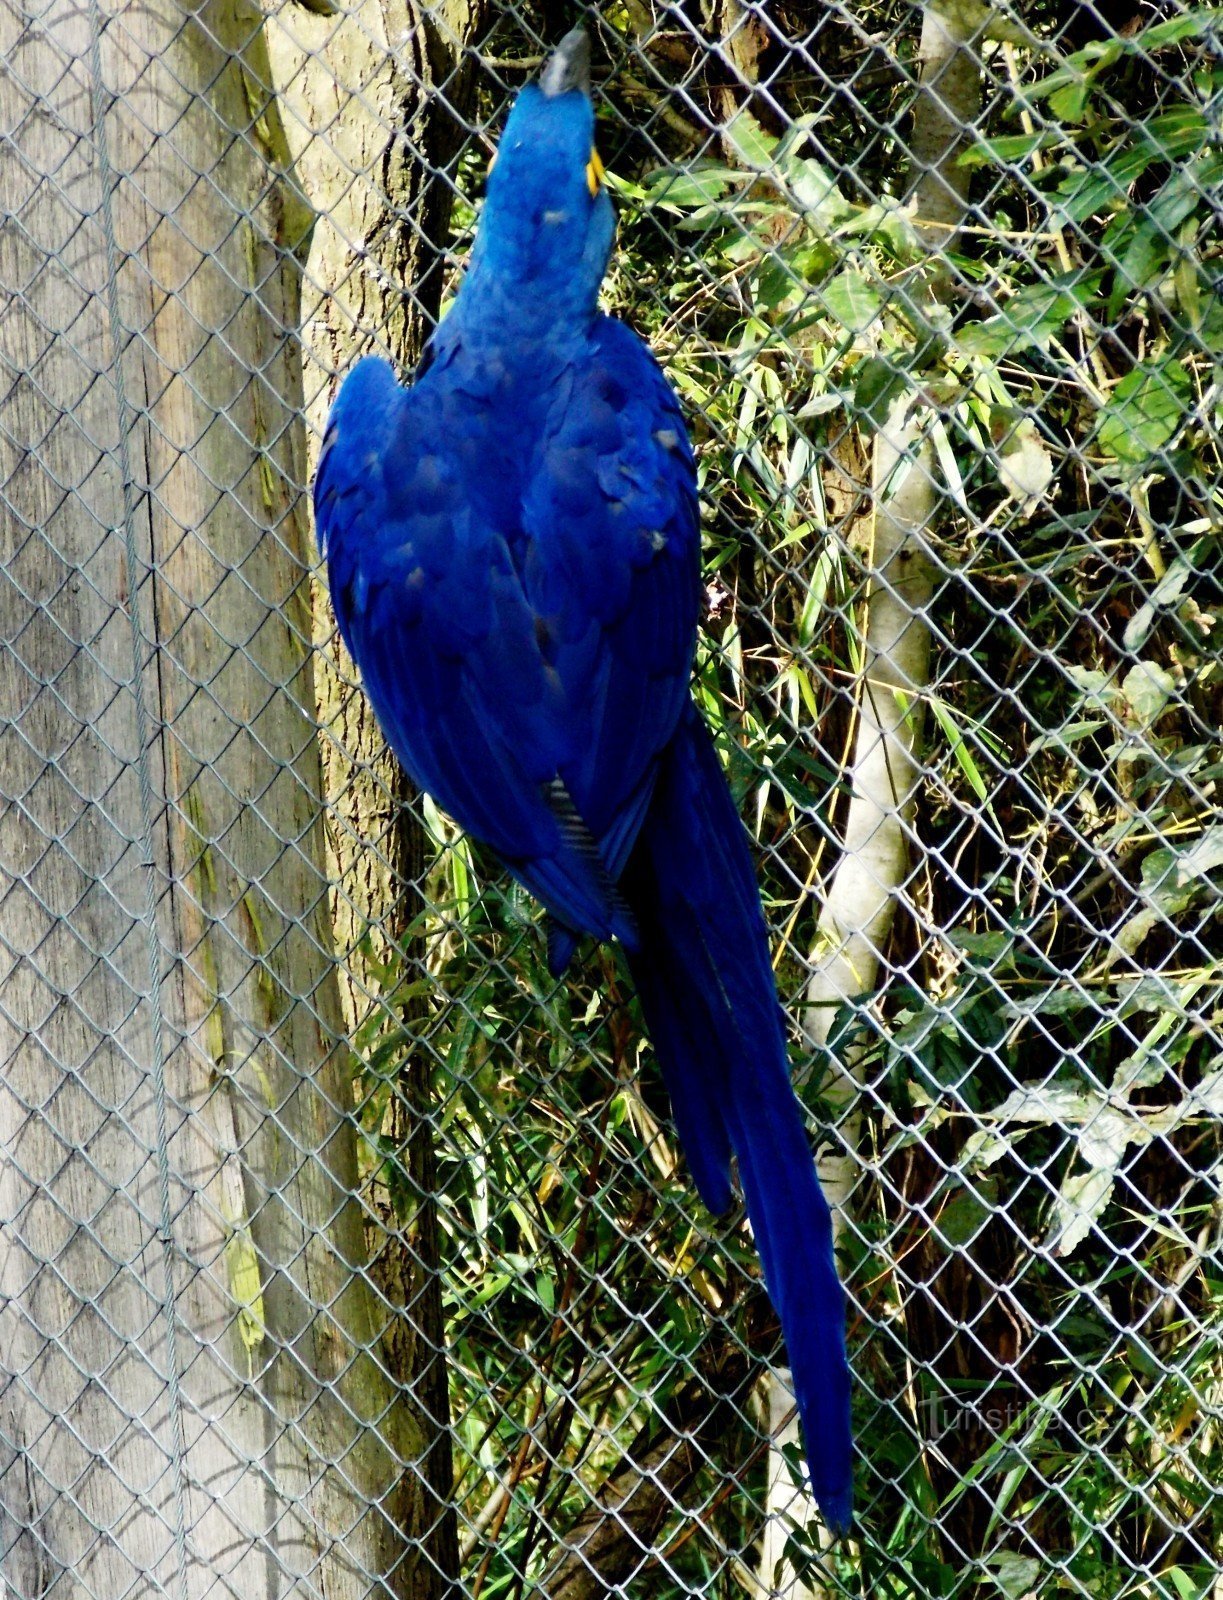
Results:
x,y
432,612
527,658
612,572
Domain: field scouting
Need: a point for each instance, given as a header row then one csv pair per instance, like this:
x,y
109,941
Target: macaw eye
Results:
x,y
594,174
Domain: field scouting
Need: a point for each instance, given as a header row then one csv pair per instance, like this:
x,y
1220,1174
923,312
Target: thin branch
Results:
x,y
884,772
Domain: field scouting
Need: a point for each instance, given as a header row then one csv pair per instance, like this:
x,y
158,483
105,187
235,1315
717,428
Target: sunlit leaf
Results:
x,y
1145,410
751,143
852,300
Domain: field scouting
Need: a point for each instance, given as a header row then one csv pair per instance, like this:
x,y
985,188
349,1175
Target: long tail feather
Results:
x,y
703,973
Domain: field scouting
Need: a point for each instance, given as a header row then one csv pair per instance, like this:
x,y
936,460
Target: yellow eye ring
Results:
x,y
594,174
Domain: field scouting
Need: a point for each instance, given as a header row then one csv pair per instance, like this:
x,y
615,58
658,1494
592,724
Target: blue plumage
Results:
x,y
513,547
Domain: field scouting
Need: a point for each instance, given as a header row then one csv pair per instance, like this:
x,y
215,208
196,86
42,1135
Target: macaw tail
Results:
x,y
703,973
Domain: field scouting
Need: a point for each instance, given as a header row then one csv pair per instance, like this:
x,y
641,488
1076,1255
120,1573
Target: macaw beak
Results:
x,y
569,67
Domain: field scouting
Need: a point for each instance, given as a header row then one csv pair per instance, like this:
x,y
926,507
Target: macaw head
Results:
x,y
546,230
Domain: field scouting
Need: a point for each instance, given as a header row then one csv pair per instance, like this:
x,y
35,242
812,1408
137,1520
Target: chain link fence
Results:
x,y
345,1252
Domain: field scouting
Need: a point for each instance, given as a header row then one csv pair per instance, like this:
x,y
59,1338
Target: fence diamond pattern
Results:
x,y
345,1252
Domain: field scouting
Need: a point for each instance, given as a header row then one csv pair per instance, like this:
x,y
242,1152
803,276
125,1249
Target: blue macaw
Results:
x,y
514,554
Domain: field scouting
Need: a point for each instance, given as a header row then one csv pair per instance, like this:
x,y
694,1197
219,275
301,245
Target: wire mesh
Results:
x,y
345,1251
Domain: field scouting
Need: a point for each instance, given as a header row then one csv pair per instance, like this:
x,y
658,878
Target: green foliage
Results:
x,y
1034,1250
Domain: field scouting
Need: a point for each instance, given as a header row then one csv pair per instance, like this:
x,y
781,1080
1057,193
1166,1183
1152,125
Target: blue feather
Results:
x,y
513,547
703,971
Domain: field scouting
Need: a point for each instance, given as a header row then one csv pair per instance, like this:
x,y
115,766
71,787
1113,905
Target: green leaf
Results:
x,y
1106,1133
1209,1093
1096,687
1025,467
853,301
816,191
878,382
1032,318
1082,192
1185,1586
1142,263
1165,594
936,433
754,147
889,225
1068,103
1046,1104
1165,894
1186,190
1145,410
772,284
1176,133
1177,29
1068,89
963,1218
1147,688
811,261
684,189
1127,163
1081,1199
1202,858
1210,329
1160,880
1010,150
1014,1574
1062,738
988,947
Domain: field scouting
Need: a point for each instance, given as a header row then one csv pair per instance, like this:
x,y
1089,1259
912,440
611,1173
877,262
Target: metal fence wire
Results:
x,y
346,1253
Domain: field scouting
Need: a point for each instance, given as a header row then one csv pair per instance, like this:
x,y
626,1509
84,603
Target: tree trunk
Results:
x,y
195,1400
376,109
376,105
